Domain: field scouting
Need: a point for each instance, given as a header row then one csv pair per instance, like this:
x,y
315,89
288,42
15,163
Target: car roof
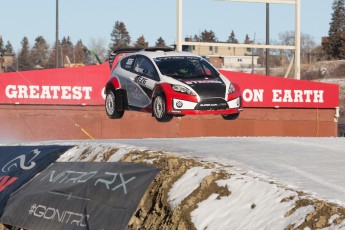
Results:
x,y
159,53
152,52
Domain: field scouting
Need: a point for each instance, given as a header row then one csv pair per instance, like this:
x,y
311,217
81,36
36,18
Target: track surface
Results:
x,y
313,165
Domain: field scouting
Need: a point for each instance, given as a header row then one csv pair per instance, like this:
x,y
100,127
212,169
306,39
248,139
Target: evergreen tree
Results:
x,y
39,52
335,45
67,49
52,63
208,36
24,56
81,53
232,38
9,48
141,43
247,40
119,37
1,44
160,42
196,38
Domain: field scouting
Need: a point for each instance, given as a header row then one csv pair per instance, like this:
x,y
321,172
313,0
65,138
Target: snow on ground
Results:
x,y
266,175
313,165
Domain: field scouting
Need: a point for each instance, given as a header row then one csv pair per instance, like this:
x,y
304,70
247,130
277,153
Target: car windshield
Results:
x,y
186,67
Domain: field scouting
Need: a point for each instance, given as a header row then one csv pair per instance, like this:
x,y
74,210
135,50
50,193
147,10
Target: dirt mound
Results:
x,y
154,211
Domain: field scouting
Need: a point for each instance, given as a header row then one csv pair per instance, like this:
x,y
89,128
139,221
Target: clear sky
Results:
x,y
94,20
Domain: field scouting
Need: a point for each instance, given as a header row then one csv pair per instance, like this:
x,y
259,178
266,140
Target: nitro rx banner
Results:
x,y
18,164
80,195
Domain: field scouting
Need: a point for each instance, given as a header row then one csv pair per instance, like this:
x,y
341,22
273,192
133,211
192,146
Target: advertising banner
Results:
x,y
277,92
64,86
19,164
85,86
79,195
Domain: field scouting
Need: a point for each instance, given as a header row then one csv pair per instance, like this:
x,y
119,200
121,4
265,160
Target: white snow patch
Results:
x,y
252,204
298,217
184,186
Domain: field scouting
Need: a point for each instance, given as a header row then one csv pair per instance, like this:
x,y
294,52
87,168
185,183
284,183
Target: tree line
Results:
x,y
41,55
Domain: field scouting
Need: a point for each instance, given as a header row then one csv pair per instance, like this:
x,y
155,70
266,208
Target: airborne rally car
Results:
x,y
167,83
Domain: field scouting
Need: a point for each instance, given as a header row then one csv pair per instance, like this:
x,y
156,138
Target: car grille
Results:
x,y
212,104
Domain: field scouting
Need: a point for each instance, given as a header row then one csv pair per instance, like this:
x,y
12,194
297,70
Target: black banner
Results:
x,y
79,195
18,164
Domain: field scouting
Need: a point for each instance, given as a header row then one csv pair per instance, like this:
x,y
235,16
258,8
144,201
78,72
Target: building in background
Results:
x,y
225,57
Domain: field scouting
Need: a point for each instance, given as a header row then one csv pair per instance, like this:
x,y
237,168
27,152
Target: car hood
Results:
x,y
206,87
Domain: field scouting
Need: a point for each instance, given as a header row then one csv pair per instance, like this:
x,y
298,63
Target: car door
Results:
x,y
144,81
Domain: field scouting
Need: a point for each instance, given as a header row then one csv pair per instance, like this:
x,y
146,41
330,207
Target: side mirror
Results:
x,y
145,71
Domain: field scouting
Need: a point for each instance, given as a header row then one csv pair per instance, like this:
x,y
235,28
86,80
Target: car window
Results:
x,y
208,69
184,67
127,63
144,66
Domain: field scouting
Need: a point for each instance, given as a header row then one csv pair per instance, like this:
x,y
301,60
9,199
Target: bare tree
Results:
x,y
98,49
307,45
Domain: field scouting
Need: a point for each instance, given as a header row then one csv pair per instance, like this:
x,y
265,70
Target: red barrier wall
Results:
x,y
37,123
84,86
47,105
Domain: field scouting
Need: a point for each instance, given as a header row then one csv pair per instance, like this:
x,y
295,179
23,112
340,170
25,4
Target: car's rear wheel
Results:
x,y
233,116
110,105
159,109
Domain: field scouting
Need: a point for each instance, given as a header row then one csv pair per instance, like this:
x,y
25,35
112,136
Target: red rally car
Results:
x,y
168,83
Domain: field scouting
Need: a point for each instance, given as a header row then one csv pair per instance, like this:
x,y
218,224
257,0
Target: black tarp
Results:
x,y
18,164
80,195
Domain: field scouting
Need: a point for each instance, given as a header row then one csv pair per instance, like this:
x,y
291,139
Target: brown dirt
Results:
x,y
154,211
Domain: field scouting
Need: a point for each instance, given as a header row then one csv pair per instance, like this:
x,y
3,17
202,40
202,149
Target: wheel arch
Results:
x,y
157,90
113,83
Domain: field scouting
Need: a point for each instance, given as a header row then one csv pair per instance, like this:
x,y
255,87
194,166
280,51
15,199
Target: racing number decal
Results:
x,y
145,84
140,80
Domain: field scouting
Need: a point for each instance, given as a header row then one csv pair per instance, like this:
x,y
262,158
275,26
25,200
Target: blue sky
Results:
x,y
94,20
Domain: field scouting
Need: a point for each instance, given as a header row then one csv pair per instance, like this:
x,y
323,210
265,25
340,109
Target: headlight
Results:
x,y
182,89
231,88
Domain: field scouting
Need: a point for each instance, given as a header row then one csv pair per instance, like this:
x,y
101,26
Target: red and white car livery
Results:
x,y
167,83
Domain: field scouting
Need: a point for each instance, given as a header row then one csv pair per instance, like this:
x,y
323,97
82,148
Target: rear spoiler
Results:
x,y
121,51
134,49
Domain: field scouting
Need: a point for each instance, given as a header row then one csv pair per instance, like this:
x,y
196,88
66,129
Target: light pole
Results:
x,y
57,36
179,25
267,39
296,47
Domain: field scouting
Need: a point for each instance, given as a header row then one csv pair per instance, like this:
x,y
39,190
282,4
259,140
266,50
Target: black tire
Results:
x,y
110,106
230,116
159,109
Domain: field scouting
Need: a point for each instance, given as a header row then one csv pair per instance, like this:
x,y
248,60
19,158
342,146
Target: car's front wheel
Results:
x,y
233,116
159,109
110,105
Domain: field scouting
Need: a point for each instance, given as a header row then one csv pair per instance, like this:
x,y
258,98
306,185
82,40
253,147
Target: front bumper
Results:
x,y
208,106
